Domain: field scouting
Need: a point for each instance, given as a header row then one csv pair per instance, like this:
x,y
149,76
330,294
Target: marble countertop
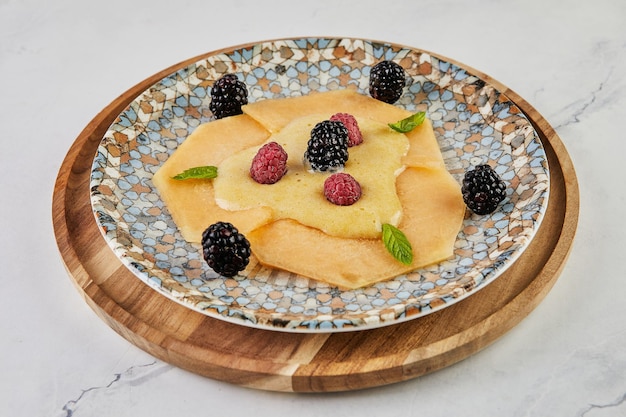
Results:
x,y
62,62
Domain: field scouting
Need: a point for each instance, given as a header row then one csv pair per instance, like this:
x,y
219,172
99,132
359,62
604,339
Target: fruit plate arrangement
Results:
x,y
474,123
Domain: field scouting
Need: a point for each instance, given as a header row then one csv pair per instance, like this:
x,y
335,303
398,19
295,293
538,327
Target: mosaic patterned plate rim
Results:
x,y
474,123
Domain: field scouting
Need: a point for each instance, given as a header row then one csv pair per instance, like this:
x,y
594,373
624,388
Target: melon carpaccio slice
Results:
x,y
191,203
299,195
432,205
432,217
276,114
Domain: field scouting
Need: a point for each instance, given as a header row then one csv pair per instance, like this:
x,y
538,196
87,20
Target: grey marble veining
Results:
x,y
92,397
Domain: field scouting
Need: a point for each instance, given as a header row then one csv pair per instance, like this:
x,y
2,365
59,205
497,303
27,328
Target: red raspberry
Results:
x,y
354,133
342,189
269,164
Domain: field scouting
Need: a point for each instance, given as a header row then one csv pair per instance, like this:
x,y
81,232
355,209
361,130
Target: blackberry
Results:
x,y
225,249
227,96
483,189
387,80
327,149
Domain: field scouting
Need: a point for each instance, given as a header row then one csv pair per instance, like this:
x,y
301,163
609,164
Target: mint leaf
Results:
x,y
205,172
410,123
397,244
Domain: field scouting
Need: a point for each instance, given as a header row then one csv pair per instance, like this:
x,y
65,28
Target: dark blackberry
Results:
x,y
225,249
227,96
483,189
387,81
327,149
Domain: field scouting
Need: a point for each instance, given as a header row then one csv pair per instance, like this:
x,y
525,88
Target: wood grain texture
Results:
x,y
280,361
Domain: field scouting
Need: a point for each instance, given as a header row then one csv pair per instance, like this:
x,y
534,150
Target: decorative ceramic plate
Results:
x,y
474,124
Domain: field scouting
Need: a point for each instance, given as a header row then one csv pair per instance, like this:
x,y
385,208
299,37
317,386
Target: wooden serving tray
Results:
x,y
297,362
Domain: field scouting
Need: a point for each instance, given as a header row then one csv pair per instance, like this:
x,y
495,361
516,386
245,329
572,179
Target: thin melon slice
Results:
x,y
433,213
275,114
432,205
424,149
299,193
191,203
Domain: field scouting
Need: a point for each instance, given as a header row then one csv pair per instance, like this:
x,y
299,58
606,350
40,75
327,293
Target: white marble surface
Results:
x,y
61,62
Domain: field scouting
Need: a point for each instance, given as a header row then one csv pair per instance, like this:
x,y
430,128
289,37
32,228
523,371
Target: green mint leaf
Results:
x,y
397,244
205,172
408,124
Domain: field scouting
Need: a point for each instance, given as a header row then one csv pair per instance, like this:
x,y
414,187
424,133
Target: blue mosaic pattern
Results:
x,y
473,121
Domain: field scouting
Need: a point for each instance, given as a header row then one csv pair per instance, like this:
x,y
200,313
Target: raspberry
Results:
x,y
387,80
354,133
483,189
228,94
342,189
327,149
269,164
225,249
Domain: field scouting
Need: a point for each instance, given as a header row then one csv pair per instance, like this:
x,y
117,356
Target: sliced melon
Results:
x,y
299,193
424,150
432,206
277,113
432,217
191,203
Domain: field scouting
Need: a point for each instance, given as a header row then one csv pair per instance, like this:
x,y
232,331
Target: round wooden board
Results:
x,y
297,362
